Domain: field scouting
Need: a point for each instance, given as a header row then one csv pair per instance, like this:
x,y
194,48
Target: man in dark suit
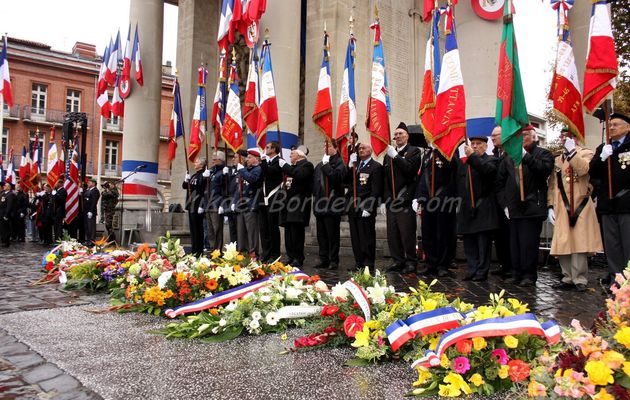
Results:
x,y
247,203
502,233
296,211
615,209
271,204
7,210
477,215
401,164
22,205
59,198
195,187
90,202
329,205
526,217
365,180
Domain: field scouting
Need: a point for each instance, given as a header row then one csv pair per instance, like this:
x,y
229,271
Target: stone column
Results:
x,y
283,20
142,109
197,26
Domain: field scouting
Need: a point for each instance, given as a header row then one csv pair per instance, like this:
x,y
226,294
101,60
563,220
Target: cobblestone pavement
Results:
x,y
51,351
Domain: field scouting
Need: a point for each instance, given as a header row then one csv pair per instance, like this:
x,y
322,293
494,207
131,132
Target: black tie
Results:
x,y
616,145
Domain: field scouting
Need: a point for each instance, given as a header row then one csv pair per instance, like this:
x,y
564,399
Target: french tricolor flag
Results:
x,y
176,125
268,111
10,176
233,124
322,114
112,61
600,74
220,99
252,95
426,110
347,118
118,105
5,78
124,83
198,127
25,169
377,121
450,108
34,174
136,59
225,21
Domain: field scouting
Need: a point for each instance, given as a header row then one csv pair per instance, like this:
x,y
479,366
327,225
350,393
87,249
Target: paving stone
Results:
x,y
25,360
13,349
76,394
41,373
61,384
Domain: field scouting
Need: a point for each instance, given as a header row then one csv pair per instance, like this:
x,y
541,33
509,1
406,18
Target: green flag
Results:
x,y
511,113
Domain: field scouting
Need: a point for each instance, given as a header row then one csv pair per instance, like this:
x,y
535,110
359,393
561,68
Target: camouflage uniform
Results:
x,y
109,200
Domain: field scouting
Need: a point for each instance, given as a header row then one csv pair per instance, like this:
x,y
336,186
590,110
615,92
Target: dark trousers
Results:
x,y
232,227
328,238
5,232
196,232
294,242
18,228
478,247
401,236
90,228
502,243
73,228
269,233
58,229
438,238
524,242
363,237
215,229
616,229
46,232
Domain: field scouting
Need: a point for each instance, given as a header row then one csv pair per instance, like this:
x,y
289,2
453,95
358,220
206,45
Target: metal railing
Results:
x,y
43,114
11,112
111,170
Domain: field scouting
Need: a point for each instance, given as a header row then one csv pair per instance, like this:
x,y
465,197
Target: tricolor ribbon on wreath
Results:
x,y
425,323
359,296
227,295
493,327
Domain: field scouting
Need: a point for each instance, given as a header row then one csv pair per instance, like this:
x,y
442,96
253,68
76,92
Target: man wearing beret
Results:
x,y
615,209
90,201
247,203
477,216
401,171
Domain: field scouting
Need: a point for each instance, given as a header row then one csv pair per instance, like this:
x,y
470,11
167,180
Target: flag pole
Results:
x,y
606,121
521,181
278,121
203,72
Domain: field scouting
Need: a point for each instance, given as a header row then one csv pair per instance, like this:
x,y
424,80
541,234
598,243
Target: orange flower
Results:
x,y
464,346
214,311
143,248
313,279
260,272
237,268
211,284
518,370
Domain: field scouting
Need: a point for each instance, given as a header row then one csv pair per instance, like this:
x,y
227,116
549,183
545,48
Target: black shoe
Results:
x,y
469,277
480,279
606,281
513,281
408,269
321,265
527,283
333,265
563,286
395,268
580,287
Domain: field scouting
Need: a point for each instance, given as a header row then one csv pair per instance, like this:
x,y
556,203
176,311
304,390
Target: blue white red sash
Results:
x,y
227,295
423,323
359,296
524,323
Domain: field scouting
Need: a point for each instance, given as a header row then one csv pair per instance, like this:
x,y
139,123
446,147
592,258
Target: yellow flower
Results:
x,y
626,368
479,343
510,341
476,380
603,395
216,254
457,381
283,337
423,376
504,312
599,373
362,338
240,257
613,359
51,257
504,371
623,336
535,389
449,391
428,304
517,306
433,342
372,324
444,361
465,307
484,312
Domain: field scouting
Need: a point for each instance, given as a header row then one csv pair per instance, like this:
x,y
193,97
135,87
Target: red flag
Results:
x,y
250,106
34,174
220,98
198,128
377,121
5,79
72,187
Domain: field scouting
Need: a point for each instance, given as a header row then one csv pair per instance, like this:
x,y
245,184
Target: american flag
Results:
x,y
72,185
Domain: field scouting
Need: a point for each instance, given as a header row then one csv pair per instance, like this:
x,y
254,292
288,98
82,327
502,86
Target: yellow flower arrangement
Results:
x,y
623,336
216,254
510,341
613,359
599,373
603,395
51,257
479,343
156,295
626,368
423,376
362,338
476,379
504,371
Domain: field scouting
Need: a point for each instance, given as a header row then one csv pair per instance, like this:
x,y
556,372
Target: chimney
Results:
x,y
84,50
167,69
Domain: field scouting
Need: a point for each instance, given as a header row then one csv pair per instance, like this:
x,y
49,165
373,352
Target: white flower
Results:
x,y
366,271
321,286
254,324
376,293
164,247
339,291
293,293
265,298
230,252
215,330
222,322
231,306
264,290
256,315
163,279
272,318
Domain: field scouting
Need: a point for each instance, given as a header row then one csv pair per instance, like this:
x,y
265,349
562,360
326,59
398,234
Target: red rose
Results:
x,y
464,346
352,325
49,265
330,330
341,316
329,310
518,370
389,301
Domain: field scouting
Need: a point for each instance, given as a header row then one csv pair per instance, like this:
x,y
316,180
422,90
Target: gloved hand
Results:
x,y
226,220
391,151
506,212
607,151
551,216
21,215
54,192
524,151
206,173
365,214
239,167
325,159
200,210
187,178
569,144
220,210
233,207
282,162
353,160
264,157
226,170
5,218
414,205
90,215
383,209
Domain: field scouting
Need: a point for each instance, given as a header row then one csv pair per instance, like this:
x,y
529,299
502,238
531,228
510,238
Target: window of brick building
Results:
x,y
73,100
111,156
4,145
38,99
40,148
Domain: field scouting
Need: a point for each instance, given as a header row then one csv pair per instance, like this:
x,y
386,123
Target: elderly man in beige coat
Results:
x,y
571,210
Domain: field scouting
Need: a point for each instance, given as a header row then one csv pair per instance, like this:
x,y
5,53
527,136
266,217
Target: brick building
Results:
x,y
47,84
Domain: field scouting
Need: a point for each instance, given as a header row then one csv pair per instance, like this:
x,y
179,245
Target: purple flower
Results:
x,y
501,356
461,365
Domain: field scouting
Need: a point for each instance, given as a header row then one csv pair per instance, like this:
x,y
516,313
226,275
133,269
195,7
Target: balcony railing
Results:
x,y
43,114
114,125
11,112
111,170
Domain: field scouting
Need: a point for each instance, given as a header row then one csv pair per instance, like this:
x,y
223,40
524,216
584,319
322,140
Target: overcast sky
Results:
x,y
61,23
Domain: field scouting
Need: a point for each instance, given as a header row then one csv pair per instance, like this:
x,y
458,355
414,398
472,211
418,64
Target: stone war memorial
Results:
x,y
338,173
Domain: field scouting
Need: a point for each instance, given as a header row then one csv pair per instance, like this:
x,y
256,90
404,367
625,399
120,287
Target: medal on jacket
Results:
x,y
568,173
624,159
363,177
439,162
